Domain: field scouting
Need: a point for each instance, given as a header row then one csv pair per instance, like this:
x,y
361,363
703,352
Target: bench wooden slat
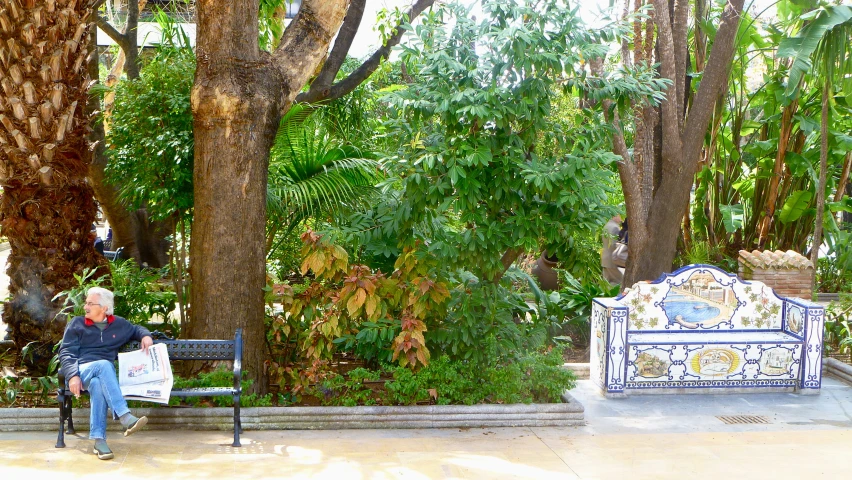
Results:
x,y
203,392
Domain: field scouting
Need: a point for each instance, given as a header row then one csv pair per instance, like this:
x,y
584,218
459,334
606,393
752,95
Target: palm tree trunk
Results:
x,y
47,206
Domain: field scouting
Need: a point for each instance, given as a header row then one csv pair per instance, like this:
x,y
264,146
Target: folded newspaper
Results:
x,y
147,377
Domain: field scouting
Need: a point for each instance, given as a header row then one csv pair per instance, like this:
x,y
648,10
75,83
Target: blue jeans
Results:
x,y
100,380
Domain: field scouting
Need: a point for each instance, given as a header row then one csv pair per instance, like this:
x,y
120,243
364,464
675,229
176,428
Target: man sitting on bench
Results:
x,y
89,348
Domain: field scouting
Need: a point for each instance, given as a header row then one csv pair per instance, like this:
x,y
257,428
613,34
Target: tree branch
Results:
x,y
714,80
305,43
669,108
679,34
131,33
114,34
321,85
366,69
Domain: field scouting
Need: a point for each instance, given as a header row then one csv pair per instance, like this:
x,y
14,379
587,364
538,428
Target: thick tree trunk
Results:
x,y
655,224
47,206
239,97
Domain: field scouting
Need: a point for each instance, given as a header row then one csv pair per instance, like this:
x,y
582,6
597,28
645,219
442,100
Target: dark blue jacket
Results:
x,y
84,342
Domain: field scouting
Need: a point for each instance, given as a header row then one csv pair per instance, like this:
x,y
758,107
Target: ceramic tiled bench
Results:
x,y
702,329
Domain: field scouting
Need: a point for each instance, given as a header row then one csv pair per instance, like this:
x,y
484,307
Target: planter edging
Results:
x,y
569,413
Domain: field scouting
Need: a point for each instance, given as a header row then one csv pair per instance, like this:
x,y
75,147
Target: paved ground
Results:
x,y
648,437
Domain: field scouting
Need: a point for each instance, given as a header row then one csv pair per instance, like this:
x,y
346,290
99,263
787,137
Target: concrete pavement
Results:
x,y
643,437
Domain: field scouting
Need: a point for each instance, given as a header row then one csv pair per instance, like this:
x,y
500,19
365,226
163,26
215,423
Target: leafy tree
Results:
x,y
150,144
239,96
477,146
150,149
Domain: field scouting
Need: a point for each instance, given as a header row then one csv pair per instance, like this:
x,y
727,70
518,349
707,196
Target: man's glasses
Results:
x,y
90,304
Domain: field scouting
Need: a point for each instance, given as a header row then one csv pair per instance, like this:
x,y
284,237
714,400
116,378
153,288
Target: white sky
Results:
x,y
367,39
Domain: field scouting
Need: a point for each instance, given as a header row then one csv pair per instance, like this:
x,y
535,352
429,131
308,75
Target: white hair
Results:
x,y
106,298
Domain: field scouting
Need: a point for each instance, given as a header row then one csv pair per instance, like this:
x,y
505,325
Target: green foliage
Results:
x,y
387,20
795,206
372,342
221,377
834,271
828,28
536,377
74,299
347,391
28,391
837,334
575,300
271,22
486,320
312,174
150,143
470,126
139,294
747,177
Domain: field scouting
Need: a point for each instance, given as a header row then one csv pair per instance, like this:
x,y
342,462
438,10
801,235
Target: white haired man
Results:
x,y
89,348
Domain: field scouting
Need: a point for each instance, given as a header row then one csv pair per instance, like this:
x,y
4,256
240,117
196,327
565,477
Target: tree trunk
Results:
x,y
142,240
47,206
238,99
655,222
823,167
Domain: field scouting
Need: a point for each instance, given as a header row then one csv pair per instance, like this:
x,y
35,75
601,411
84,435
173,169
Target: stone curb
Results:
x,y
581,370
838,369
565,414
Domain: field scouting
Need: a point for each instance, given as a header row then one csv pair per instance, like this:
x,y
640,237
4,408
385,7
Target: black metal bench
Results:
x,y
113,255
178,350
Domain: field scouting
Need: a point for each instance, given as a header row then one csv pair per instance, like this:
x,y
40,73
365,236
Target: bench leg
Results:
x,y
238,427
68,416
60,440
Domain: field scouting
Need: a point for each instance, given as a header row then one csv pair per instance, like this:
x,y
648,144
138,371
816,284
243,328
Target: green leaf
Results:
x,y
732,216
795,206
801,47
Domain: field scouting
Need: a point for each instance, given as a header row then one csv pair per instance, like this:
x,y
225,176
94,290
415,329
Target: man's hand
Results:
x,y
146,342
76,386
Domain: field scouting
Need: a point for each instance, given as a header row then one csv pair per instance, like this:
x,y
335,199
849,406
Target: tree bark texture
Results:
x,y
238,99
47,206
655,220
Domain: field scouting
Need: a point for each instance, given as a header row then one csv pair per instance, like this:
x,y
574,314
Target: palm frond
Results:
x,y
802,47
312,175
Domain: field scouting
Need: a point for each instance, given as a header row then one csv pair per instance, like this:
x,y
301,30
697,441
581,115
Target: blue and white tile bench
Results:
x,y
703,330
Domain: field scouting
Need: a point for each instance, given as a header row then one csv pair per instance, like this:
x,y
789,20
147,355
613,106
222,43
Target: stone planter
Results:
x,y
827,297
569,413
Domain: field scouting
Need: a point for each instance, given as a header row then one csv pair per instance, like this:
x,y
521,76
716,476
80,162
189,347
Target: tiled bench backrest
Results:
x,y
703,297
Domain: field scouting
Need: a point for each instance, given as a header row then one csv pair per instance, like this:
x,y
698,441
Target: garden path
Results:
x,y
641,437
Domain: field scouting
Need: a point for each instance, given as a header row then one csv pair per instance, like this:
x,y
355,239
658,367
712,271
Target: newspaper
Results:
x,y
147,377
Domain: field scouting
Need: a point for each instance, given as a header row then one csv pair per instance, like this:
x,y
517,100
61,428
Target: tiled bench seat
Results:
x,y
702,329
